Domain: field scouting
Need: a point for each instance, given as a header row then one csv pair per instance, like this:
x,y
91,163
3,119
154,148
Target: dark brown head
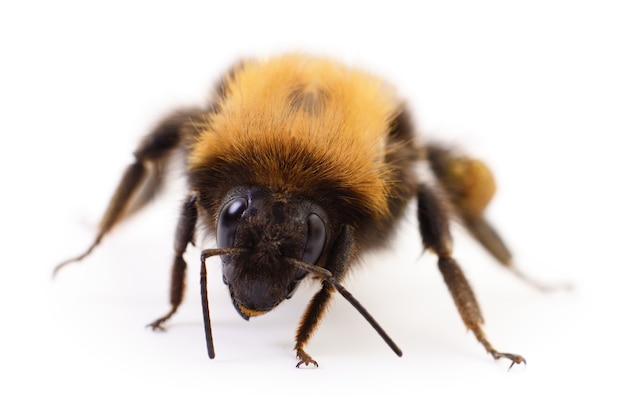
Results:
x,y
272,229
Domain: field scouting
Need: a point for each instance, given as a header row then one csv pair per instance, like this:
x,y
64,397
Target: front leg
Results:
x,y
184,235
310,321
342,250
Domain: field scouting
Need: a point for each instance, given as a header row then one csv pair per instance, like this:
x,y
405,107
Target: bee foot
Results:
x,y
307,362
305,359
515,359
157,325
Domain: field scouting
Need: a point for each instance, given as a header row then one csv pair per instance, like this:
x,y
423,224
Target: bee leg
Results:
x,y
143,179
132,178
185,232
310,321
434,229
342,249
470,186
489,238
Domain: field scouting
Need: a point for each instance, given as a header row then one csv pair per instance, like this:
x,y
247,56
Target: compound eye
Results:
x,y
228,221
315,240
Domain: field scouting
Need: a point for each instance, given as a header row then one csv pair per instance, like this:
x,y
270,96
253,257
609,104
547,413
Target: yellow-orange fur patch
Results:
x,y
274,112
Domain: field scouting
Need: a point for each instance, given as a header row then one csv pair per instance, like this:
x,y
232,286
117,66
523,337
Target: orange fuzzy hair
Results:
x,y
296,122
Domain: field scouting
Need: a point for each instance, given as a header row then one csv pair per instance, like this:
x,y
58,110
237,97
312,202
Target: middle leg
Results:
x,y
434,228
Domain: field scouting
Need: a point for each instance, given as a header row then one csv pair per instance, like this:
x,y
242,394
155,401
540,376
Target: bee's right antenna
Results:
x,y
348,296
327,275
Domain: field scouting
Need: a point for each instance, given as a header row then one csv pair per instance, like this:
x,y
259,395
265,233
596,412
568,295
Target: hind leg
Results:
x,y
142,179
470,186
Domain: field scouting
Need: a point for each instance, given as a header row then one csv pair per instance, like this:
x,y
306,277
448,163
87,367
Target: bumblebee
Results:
x,y
299,166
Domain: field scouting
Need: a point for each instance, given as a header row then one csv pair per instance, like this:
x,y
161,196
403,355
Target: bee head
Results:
x,y
271,231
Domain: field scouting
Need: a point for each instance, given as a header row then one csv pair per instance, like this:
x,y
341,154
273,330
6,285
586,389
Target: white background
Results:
x,y
537,89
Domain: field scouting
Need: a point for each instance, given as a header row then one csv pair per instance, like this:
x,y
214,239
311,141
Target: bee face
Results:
x,y
268,229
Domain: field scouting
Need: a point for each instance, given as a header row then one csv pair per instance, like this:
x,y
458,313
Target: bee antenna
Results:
x,y
222,251
357,305
327,275
208,332
310,268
